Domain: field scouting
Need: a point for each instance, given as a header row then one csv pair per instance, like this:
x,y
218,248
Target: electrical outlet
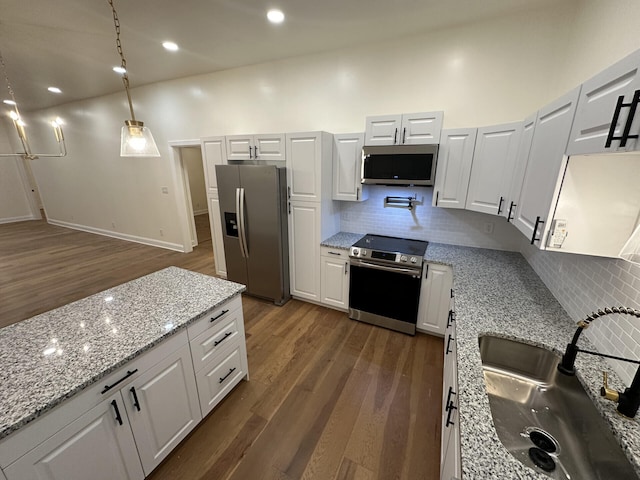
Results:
x,y
488,227
165,190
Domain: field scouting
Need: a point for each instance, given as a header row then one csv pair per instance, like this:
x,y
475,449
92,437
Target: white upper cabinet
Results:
x,y
542,173
213,153
347,159
522,156
266,147
455,155
598,105
493,162
306,174
406,129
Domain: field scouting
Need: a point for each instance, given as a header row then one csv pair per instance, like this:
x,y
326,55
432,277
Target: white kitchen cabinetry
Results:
x,y
214,153
492,169
522,156
542,173
455,155
596,107
435,298
265,147
313,215
405,129
334,276
450,456
347,161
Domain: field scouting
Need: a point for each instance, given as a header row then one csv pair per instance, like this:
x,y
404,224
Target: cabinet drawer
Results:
x,y
213,319
227,331
334,252
217,379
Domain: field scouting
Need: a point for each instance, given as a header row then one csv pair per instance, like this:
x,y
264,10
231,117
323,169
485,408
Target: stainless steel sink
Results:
x,y
546,419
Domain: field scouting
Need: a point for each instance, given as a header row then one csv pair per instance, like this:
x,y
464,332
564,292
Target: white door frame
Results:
x,y
182,194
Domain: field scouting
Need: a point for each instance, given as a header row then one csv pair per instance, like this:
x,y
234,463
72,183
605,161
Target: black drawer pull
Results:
x,y
221,314
450,318
231,370
136,403
448,351
450,409
218,342
404,134
449,402
114,404
109,387
509,217
395,136
333,253
500,205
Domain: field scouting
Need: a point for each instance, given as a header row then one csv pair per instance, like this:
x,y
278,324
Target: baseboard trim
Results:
x,y
121,236
18,219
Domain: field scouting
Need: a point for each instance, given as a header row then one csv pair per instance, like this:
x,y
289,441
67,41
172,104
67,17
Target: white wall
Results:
x,y
493,71
192,161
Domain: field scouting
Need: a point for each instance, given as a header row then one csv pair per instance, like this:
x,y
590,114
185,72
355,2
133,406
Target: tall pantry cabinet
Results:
x,y
313,215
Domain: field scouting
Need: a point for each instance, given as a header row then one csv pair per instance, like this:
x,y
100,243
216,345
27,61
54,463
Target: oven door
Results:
x,y
384,295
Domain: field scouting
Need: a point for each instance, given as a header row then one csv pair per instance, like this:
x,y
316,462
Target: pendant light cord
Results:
x,y
123,63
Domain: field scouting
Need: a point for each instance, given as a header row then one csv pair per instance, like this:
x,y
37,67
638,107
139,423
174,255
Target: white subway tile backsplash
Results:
x,y
583,284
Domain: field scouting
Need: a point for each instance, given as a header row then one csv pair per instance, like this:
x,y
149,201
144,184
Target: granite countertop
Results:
x,y
50,357
342,240
499,293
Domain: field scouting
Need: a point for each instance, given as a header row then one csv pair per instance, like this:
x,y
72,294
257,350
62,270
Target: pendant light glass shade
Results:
x,y
136,141
631,249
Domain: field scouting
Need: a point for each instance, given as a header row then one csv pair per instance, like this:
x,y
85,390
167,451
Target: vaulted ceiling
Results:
x,y
70,44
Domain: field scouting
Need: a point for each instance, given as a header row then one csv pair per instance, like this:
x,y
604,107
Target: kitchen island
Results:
x,y
498,293
81,351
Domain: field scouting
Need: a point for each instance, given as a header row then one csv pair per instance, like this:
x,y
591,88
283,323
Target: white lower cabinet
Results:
x,y
450,456
95,446
335,278
435,296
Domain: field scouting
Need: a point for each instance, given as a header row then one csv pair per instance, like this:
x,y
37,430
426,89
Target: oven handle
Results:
x,y
404,271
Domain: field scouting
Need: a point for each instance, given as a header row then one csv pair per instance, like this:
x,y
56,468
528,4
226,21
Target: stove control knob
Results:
x,y
364,252
355,251
403,258
414,259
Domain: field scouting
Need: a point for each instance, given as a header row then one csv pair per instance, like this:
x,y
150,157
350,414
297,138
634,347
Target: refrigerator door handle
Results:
x,y
242,224
239,220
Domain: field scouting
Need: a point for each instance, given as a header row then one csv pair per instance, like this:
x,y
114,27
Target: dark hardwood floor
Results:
x,y
328,398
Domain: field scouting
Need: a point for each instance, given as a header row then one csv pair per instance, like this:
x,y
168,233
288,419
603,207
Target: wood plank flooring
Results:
x,y
328,398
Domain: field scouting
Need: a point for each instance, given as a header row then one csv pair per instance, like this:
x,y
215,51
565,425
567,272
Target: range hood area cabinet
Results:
x,y
455,156
492,168
597,108
543,167
404,129
259,148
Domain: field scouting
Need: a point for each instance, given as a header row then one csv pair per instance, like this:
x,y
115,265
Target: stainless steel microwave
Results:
x,y
399,164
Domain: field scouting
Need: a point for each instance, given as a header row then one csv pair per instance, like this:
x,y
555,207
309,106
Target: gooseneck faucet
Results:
x,y
629,400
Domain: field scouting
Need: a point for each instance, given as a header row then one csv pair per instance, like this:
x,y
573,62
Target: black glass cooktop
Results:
x,y
392,244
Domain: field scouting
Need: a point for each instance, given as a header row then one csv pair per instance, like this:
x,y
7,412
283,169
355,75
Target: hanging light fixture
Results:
x,y
19,124
136,139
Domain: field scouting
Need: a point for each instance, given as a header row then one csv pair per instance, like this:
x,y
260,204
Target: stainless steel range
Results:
x,y
385,280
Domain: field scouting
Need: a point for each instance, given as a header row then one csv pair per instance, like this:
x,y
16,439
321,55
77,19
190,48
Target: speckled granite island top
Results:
x,y
50,357
499,293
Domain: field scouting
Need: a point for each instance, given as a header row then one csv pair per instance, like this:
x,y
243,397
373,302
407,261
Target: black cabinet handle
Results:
x,y
426,271
333,253
450,408
449,402
451,318
255,152
452,295
437,195
289,208
448,351
395,136
231,370
535,230
114,404
509,217
500,205
404,134
249,152
109,387
136,403
627,126
221,314
226,335
358,193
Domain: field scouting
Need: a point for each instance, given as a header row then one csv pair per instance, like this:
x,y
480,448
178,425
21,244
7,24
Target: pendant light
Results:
x,y
19,125
135,139
631,249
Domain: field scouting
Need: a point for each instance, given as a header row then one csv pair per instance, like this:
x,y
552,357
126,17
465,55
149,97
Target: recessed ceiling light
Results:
x,y
120,70
9,102
172,47
54,90
275,16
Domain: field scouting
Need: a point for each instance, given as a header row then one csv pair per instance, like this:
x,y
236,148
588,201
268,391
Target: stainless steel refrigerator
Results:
x,y
253,209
